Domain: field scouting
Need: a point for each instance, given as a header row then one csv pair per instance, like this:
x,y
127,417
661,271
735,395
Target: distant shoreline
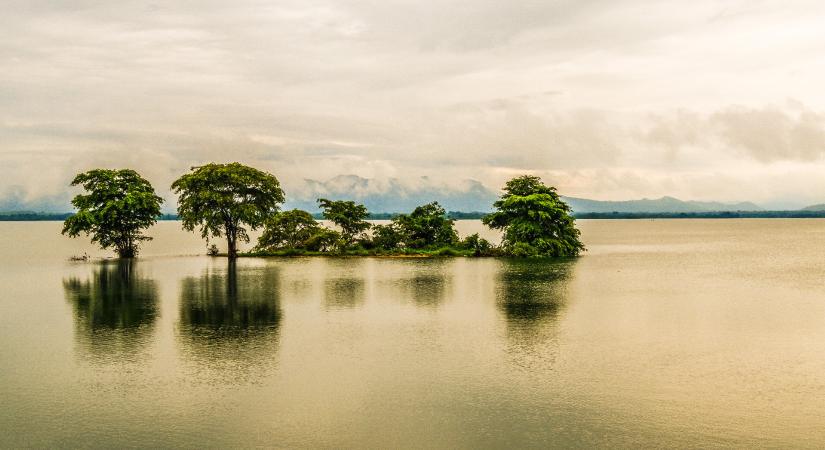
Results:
x,y
798,214
457,215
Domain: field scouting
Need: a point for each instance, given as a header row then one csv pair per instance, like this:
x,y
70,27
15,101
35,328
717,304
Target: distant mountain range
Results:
x,y
659,205
392,196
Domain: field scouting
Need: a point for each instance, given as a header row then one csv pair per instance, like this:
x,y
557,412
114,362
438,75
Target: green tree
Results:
x,y
221,199
535,221
427,226
348,216
323,240
117,207
476,243
288,229
387,237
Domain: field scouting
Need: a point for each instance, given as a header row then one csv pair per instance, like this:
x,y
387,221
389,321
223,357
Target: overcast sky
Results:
x,y
704,100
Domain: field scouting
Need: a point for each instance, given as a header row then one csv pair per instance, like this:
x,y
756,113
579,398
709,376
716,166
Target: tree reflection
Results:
x,y
344,292
115,309
345,286
531,294
428,284
229,321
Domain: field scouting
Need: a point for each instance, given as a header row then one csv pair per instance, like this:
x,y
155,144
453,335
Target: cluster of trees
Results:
x,y
425,229
228,200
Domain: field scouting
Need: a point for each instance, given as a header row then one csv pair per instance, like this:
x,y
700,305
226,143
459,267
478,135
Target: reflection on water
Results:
x,y
672,333
115,309
344,292
531,294
425,281
345,284
229,320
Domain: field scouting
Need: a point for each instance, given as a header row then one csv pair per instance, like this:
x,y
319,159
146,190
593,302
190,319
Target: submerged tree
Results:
x,y
221,199
426,227
118,206
288,229
349,216
535,221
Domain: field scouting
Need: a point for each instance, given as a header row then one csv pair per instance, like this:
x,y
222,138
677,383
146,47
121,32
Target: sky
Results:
x,y
611,100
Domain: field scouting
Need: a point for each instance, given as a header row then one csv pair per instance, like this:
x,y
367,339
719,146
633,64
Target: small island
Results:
x,y
227,200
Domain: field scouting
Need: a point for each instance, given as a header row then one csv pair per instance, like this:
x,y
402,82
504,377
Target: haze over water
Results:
x,y
665,333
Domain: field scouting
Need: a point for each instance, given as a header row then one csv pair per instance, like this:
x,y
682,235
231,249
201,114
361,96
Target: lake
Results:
x,y
677,333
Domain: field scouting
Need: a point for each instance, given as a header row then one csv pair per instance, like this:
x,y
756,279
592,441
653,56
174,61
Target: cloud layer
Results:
x,y
704,100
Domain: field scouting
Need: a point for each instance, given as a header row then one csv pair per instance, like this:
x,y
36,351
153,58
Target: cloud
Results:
x,y
766,134
632,98
770,134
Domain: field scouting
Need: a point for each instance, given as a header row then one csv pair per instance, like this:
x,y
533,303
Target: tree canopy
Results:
x,y
426,226
348,216
224,199
288,229
117,207
535,221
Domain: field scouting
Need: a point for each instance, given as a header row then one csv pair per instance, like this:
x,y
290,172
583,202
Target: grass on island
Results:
x,y
398,253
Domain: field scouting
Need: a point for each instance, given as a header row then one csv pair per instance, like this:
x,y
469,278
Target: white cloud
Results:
x,y
606,99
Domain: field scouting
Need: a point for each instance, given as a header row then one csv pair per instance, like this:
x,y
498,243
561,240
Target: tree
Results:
x,y
288,229
387,237
221,199
535,221
118,206
323,240
427,226
348,216
476,243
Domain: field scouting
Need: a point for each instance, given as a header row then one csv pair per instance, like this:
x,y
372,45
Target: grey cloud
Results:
x,y
584,91
771,134
767,134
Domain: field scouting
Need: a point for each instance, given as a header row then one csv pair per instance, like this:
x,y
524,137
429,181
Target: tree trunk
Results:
x,y
126,252
231,244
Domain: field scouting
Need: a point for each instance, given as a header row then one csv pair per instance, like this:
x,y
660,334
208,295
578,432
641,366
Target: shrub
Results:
x,y
288,229
387,237
426,227
523,250
324,240
479,245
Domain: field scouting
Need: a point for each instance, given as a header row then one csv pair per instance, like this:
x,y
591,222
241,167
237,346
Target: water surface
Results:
x,y
666,333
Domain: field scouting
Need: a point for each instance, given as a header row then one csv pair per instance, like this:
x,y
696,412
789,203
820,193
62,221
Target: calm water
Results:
x,y
687,333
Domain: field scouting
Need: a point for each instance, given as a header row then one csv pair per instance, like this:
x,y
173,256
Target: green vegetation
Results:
x,y
224,200
348,216
426,227
535,221
31,216
221,198
117,207
424,232
289,230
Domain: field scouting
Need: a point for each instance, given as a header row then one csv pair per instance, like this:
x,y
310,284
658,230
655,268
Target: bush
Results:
x,y
288,229
479,245
387,237
523,250
447,251
426,227
323,240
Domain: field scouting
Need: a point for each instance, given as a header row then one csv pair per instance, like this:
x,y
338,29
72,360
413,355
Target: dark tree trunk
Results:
x,y
232,244
126,252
